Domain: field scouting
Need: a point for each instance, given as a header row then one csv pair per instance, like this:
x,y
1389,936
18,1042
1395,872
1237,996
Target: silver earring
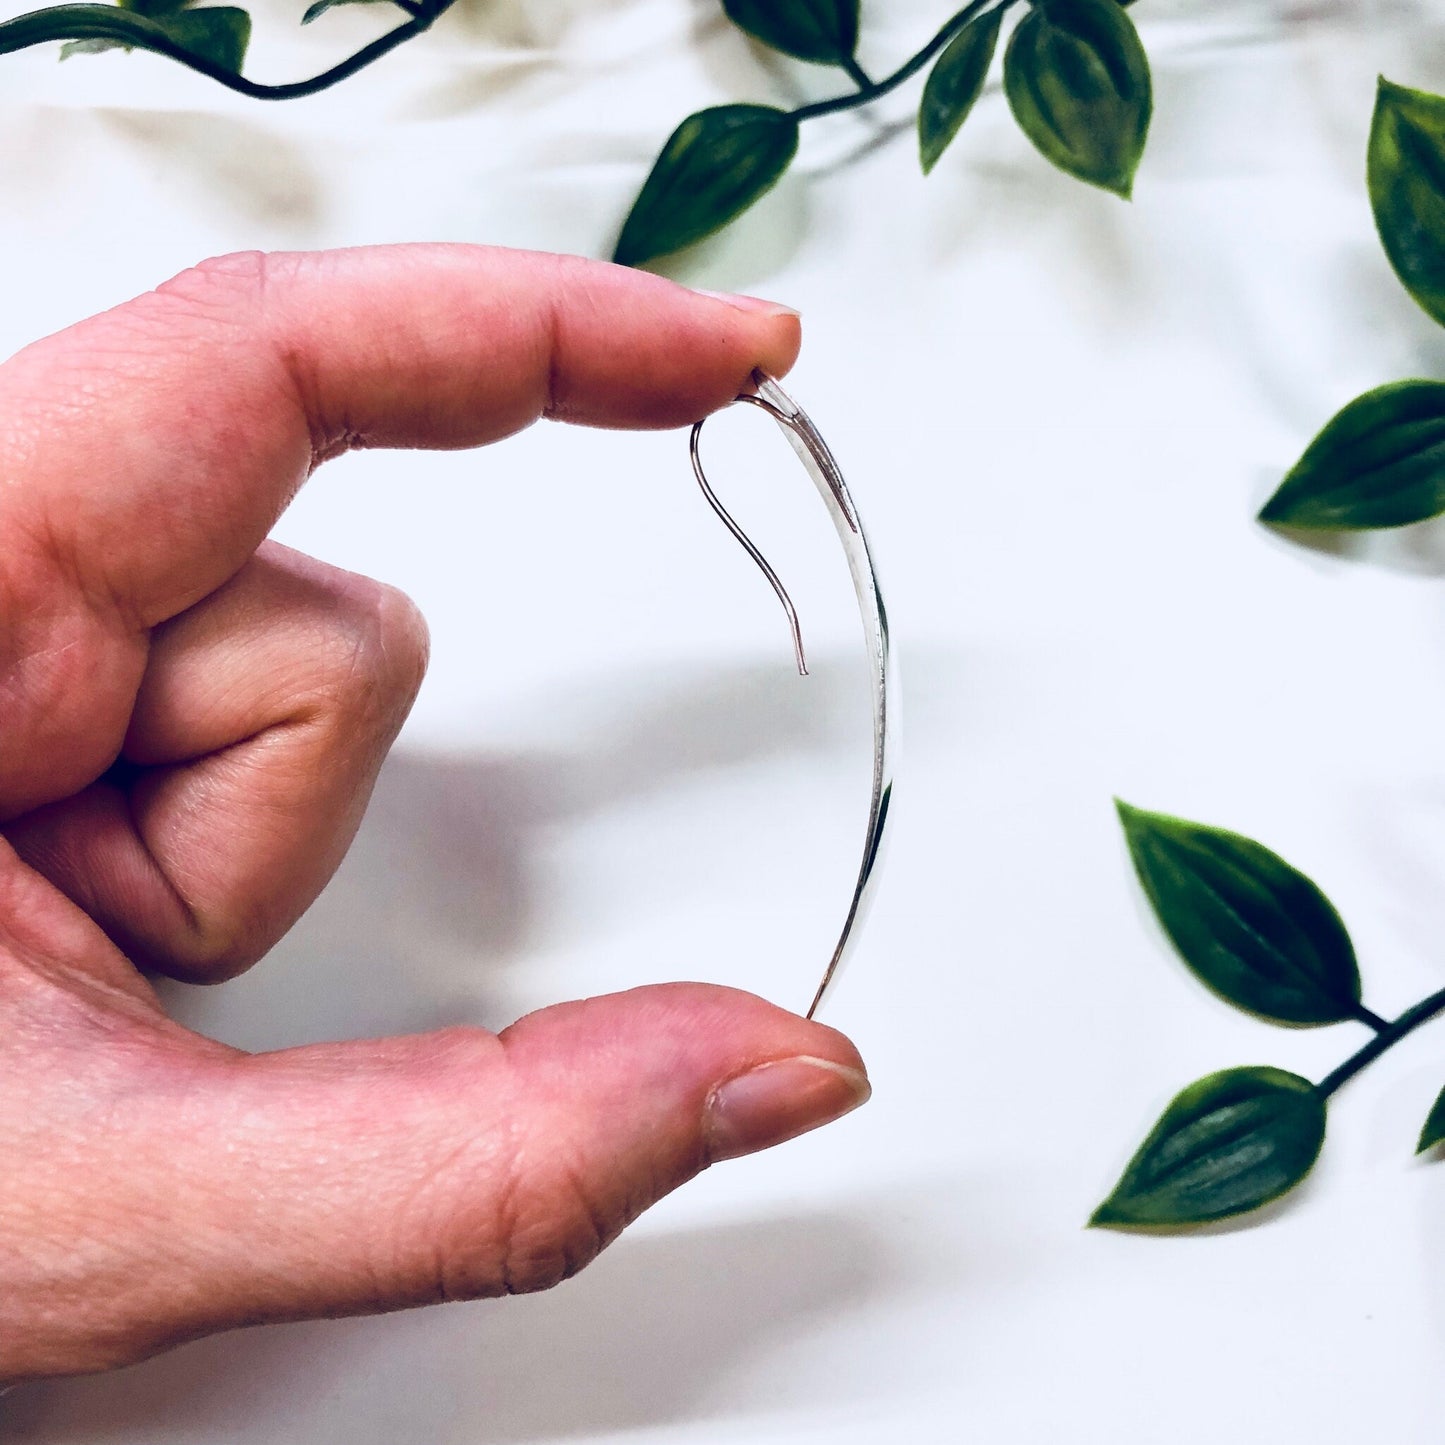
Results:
x,y
815,456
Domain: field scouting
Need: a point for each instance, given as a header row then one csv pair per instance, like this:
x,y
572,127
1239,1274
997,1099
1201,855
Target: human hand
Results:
x,y
191,719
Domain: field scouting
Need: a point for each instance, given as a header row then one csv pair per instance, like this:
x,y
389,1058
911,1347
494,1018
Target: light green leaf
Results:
x,y
954,84
1406,173
825,31
1227,1144
1077,80
713,167
1379,462
1254,929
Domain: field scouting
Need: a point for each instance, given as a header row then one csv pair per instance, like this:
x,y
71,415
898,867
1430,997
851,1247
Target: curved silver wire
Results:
x,y
747,542
813,451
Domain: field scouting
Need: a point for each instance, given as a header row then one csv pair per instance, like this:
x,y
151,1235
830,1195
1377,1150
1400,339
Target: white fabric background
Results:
x,y
1058,414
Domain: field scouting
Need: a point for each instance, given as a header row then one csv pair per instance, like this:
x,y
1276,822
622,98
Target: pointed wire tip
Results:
x,y
748,546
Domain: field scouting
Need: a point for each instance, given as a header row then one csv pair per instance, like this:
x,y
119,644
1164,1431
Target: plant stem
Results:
x,y
294,90
874,89
367,55
1371,1019
1387,1038
40,26
856,73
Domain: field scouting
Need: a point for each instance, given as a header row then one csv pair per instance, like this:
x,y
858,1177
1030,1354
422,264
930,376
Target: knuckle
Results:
x,y
193,945
403,638
388,648
245,268
231,286
208,953
521,1207
562,1233
229,295
373,652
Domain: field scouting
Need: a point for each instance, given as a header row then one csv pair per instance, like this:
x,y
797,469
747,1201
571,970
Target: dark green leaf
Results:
x,y
155,9
1407,188
1229,1143
1077,80
218,33
1257,931
955,82
1379,462
214,37
158,10
322,6
1434,1130
714,166
822,30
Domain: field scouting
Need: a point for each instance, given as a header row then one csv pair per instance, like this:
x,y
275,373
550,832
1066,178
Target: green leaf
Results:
x,y
1229,1143
1406,173
1434,1130
955,82
322,6
1252,928
1379,462
215,37
217,33
1077,80
155,9
150,8
713,167
825,31
158,10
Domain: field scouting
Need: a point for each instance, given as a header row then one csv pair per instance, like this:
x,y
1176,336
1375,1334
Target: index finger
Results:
x,y
151,449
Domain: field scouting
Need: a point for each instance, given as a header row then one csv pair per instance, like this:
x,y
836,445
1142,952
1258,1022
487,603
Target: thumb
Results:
x,y
359,1177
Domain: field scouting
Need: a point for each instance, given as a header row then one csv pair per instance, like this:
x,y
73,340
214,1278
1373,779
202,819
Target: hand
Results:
x,y
191,719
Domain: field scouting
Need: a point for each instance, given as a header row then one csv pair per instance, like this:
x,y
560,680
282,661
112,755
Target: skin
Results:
x,y
193,718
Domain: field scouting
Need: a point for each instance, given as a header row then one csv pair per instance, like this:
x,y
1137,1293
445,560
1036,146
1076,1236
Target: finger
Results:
x,y
149,451
203,405
363,1177
262,719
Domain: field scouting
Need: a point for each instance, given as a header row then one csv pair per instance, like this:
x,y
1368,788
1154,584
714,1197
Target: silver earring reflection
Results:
x,y
813,451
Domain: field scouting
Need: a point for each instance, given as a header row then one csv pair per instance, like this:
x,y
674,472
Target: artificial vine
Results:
x,y
1265,939
211,40
1254,929
1074,72
1380,461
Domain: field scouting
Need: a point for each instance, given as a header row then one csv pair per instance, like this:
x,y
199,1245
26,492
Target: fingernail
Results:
x,y
750,303
777,1101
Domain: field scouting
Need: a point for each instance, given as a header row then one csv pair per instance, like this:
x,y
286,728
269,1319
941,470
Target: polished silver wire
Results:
x,y
748,546
810,447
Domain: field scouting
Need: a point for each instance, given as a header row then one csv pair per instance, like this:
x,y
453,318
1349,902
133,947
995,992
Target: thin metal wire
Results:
x,y
810,447
752,551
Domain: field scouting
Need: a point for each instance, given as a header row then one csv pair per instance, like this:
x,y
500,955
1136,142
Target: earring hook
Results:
x,y
811,449
748,546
